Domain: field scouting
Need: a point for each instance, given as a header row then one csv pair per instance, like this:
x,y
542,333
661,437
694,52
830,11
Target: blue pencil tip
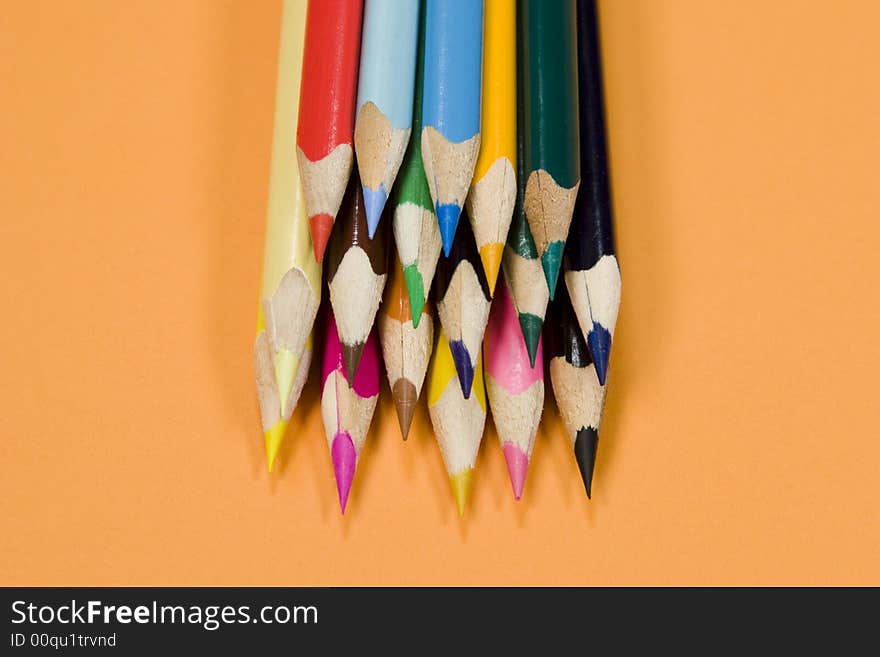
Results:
x,y
463,366
374,203
447,219
599,341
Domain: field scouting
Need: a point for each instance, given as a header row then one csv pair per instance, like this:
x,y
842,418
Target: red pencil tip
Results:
x,y
320,226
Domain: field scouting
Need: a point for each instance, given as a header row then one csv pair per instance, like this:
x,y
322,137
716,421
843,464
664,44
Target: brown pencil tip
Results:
x,y
405,398
351,354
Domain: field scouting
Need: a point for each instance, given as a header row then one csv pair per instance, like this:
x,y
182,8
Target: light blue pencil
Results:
x,y
451,113
389,40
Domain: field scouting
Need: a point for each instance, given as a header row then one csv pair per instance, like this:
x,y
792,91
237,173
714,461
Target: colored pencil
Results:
x,y
592,274
451,113
347,405
493,192
389,42
356,273
549,66
406,347
458,422
326,110
415,225
514,386
463,303
522,268
579,395
291,283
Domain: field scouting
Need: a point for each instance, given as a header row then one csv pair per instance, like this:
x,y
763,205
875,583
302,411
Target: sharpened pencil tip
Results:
x,y
415,289
272,440
351,354
463,366
320,227
405,398
517,467
599,341
551,261
374,203
461,488
344,463
491,254
447,220
531,329
585,446
286,365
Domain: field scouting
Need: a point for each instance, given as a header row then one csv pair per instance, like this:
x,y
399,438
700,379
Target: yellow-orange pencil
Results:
x,y
458,422
493,192
291,284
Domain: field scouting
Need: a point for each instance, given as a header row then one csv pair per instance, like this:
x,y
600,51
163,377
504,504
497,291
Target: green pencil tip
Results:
x,y
550,262
531,330
415,288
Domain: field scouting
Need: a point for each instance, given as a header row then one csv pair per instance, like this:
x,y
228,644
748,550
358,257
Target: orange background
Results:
x,y
740,442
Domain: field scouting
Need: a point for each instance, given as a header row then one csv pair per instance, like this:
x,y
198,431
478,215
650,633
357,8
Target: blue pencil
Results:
x,y
451,113
389,41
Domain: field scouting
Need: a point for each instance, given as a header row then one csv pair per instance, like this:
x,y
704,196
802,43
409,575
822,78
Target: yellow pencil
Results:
x,y
291,285
458,422
493,192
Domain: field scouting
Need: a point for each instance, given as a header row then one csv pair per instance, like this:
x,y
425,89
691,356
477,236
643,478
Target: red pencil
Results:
x,y
326,110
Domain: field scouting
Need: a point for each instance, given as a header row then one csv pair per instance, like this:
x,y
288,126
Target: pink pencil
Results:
x,y
515,389
347,409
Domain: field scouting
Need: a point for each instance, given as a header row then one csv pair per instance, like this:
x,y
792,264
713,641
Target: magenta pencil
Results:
x,y
515,388
347,408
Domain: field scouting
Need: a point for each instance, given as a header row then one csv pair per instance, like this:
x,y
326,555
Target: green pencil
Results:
x,y
415,226
522,269
548,34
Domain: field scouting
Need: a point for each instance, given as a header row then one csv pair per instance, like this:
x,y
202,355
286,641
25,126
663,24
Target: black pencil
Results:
x,y
579,395
592,274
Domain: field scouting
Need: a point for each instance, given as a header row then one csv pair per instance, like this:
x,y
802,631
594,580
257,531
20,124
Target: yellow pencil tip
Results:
x,y
491,254
461,487
273,438
286,365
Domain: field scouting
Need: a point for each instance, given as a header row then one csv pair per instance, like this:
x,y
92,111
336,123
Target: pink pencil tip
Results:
x,y
344,463
517,467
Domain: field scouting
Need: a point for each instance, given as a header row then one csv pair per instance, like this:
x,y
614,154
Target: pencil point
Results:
x,y
415,289
344,463
461,486
351,354
447,219
405,398
490,254
285,364
599,341
320,227
272,439
374,203
531,329
463,366
585,453
517,467
550,262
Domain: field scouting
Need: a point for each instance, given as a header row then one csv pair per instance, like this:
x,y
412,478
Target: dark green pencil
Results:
x,y
548,35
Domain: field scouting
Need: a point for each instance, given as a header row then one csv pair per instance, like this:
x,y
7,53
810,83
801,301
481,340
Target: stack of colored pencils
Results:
x,y
457,148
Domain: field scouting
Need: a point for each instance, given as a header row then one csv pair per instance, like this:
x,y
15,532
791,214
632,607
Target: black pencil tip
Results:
x,y
585,446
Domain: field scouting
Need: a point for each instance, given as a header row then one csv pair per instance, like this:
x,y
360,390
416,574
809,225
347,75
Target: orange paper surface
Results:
x,y
740,442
